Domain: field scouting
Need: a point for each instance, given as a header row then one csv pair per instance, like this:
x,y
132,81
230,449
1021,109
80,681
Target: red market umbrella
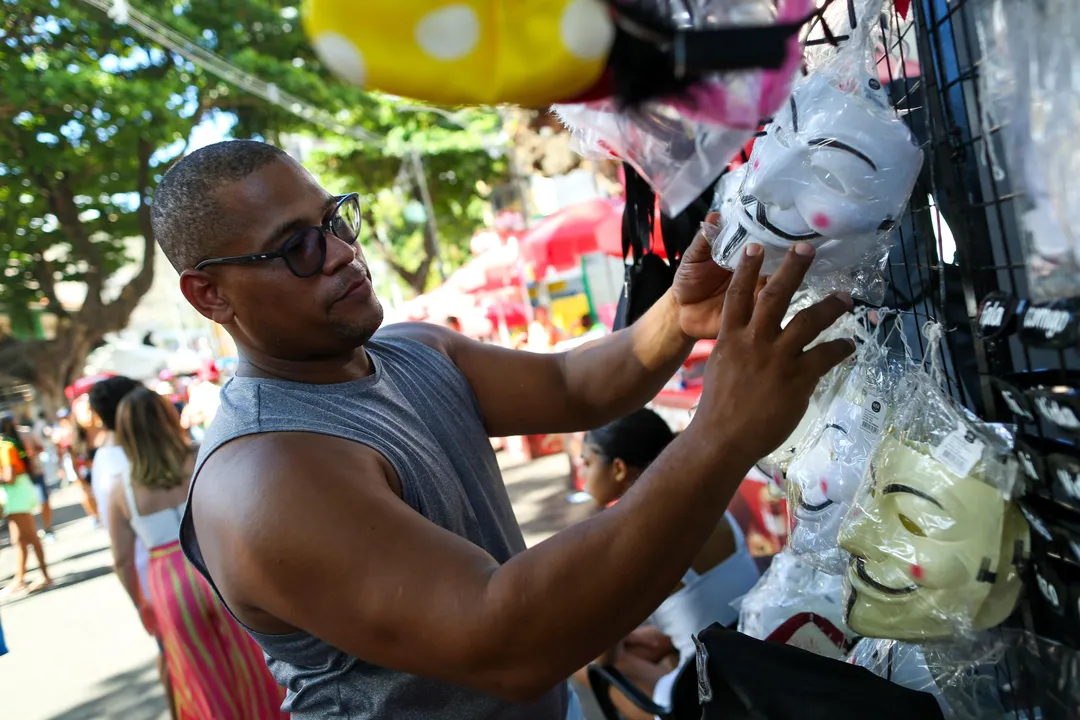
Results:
x,y
609,236
560,239
491,270
513,314
83,385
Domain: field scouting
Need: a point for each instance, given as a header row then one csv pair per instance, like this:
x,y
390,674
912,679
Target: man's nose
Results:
x,y
781,173
338,253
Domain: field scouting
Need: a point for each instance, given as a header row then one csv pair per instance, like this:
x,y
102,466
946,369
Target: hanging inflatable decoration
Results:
x,y
542,52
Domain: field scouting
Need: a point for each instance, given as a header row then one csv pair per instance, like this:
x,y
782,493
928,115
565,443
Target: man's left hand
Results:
x,y
699,288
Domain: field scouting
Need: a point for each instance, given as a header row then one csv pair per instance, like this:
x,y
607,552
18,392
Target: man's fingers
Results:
x,y
700,248
822,358
739,299
809,323
776,296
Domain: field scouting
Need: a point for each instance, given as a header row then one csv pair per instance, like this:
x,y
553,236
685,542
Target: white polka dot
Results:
x,y
341,56
449,33
586,29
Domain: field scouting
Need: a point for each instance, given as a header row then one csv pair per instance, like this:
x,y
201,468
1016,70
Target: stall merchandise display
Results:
x,y
680,143
937,547
835,168
827,471
797,604
1030,82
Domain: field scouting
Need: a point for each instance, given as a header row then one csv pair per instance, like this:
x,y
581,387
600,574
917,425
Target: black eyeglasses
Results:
x,y
305,251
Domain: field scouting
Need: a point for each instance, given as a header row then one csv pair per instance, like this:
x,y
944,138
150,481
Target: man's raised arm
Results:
x,y
325,544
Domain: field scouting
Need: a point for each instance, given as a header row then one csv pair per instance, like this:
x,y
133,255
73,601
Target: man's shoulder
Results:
x,y
281,451
435,337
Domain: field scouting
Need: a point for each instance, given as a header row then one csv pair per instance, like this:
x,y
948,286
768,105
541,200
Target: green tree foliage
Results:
x,y
460,157
92,113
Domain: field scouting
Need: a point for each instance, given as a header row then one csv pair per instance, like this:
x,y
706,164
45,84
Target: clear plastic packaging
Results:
x,y
850,325
936,546
828,468
798,605
835,168
964,677
680,145
1029,81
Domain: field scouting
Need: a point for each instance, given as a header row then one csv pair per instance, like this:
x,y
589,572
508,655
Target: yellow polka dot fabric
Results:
x,y
525,52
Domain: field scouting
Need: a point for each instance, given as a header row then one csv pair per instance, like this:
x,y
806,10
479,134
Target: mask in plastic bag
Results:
x,y
901,663
967,677
834,169
825,475
850,325
798,605
1029,81
934,552
679,144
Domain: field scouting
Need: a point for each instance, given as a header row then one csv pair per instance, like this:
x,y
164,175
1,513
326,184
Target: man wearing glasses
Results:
x,y
347,505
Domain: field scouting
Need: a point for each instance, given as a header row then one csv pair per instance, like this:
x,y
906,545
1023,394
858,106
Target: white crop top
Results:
x,y
156,529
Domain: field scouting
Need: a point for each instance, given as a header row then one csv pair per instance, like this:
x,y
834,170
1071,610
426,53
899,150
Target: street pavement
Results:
x,y
78,652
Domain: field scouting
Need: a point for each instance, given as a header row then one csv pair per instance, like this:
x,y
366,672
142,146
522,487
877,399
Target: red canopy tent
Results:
x,y
559,240
83,385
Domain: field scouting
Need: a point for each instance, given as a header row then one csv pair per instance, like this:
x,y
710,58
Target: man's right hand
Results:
x,y
759,379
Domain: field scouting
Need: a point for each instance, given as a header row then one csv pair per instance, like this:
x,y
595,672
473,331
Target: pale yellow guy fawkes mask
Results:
x,y
933,553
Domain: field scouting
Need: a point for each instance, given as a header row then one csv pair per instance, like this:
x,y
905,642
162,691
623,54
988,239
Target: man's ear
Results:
x,y
204,294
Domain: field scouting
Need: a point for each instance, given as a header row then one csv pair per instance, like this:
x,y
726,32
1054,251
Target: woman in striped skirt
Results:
x,y
217,670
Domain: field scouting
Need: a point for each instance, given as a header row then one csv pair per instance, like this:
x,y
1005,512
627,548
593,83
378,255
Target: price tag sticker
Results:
x,y
873,416
959,451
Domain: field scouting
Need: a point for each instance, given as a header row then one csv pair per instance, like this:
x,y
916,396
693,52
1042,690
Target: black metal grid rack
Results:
x,y
960,240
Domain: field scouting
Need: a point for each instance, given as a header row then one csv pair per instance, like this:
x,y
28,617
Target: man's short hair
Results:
x,y
105,397
187,218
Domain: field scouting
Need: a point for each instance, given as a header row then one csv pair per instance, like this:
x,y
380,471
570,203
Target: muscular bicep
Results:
x,y
308,531
519,393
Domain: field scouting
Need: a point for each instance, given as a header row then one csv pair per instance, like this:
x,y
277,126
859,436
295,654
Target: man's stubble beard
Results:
x,y
358,332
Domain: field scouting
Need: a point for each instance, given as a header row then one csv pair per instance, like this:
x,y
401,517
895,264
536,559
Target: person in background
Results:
x,y
19,499
110,468
217,671
204,399
613,458
76,430
542,333
35,466
588,324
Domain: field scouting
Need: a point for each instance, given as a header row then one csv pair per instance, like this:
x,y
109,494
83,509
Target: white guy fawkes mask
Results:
x,y
822,482
834,169
932,553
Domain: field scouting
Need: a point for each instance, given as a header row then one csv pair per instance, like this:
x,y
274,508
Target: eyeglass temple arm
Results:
x,y
239,259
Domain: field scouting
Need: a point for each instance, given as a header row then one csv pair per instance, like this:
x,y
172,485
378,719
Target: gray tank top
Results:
x,y
420,413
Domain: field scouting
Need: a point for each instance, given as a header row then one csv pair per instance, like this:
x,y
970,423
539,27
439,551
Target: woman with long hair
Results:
x,y
19,498
217,670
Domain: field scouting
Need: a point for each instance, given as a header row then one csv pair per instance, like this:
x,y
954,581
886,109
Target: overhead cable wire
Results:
x,y
122,12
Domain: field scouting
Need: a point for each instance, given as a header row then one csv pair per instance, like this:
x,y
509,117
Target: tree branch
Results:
x,y
62,202
45,274
417,278
119,310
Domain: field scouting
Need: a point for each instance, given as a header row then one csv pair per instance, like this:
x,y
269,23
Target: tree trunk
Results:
x,y
416,279
51,365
